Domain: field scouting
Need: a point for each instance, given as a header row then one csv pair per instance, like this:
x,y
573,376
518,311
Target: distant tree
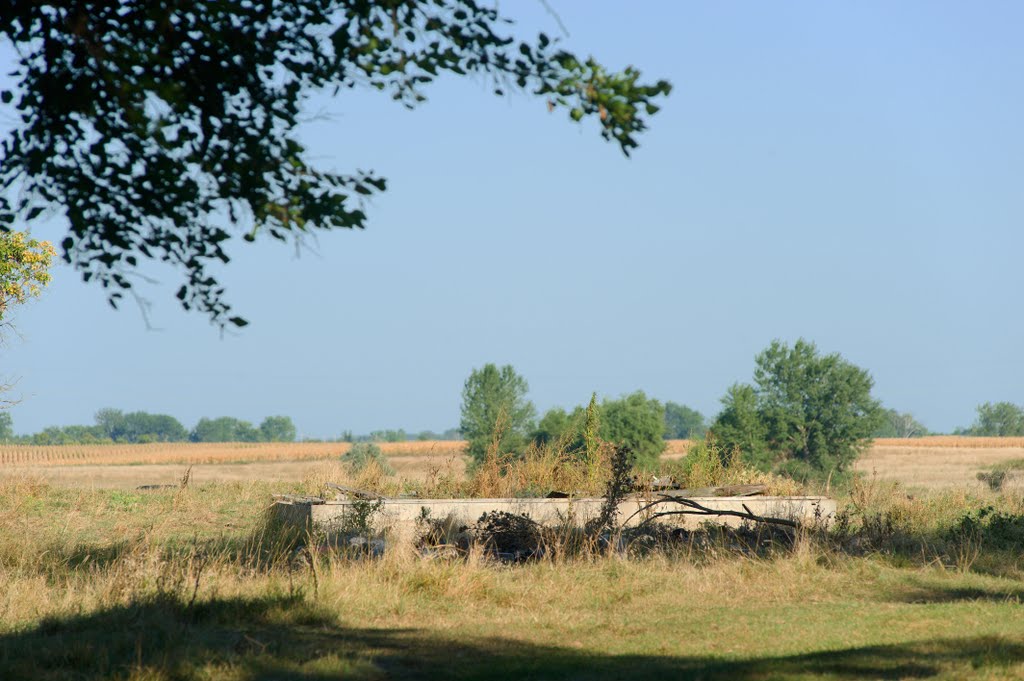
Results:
x,y
555,423
740,425
899,424
681,422
806,415
397,435
1000,419
494,407
140,427
277,429
70,435
111,422
637,422
452,435
6,427
224,429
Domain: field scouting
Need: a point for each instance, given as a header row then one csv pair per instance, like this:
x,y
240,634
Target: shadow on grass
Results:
x,y
930,593
287,638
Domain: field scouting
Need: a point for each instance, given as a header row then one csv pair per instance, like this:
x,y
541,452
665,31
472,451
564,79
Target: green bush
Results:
x,y
637,423
362,454
807,415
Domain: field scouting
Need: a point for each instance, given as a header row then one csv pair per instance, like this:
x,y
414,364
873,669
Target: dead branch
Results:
x,y
696,508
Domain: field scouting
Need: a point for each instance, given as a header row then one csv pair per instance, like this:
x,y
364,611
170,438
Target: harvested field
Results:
x,y
931,462
952,442
121,476
931,465
204,453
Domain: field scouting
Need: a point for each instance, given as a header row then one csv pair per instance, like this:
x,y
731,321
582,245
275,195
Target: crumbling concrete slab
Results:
x,y
400,515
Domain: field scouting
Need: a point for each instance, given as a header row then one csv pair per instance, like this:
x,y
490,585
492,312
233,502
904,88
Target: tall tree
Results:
x,y
143,120
277,429
224,429
495,409
681,422
999,419
807,414
899,424
555,423
638,422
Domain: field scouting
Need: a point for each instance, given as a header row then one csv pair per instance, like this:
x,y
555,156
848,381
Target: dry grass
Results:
x,y
185,584
951,441
931,462
932,466
204,453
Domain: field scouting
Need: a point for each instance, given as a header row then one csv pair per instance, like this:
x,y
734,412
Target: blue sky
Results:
x,y
849,173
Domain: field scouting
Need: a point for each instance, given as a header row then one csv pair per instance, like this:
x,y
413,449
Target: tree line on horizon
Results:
x,y
633,418
805,415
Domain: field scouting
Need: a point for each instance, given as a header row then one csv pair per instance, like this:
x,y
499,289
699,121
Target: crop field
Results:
x,y
942,462
203,453
928,463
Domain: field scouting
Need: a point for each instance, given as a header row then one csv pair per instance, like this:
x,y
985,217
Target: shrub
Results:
x,y
363,454
995,479
808,415
637,423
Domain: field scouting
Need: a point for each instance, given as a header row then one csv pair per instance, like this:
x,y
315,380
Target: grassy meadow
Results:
x,y
193,582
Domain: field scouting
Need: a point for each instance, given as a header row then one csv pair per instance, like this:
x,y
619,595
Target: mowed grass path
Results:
x,y
109,584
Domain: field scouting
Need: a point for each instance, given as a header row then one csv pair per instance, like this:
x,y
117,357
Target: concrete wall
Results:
x,y
399,515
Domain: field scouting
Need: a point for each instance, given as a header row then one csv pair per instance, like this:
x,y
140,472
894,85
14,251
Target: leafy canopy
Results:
x,y
151,124
277,429
634,421
24,268
899,424
495,410
682,422
1000,419
806,414
637,422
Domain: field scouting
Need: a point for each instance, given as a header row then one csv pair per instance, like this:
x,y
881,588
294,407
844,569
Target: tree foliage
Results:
x,y
277,429
553,426
806,414
224,429
495,409
151,124
638,423
999,419
139,427
740,425
682,422
24,268
6,427
899,424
